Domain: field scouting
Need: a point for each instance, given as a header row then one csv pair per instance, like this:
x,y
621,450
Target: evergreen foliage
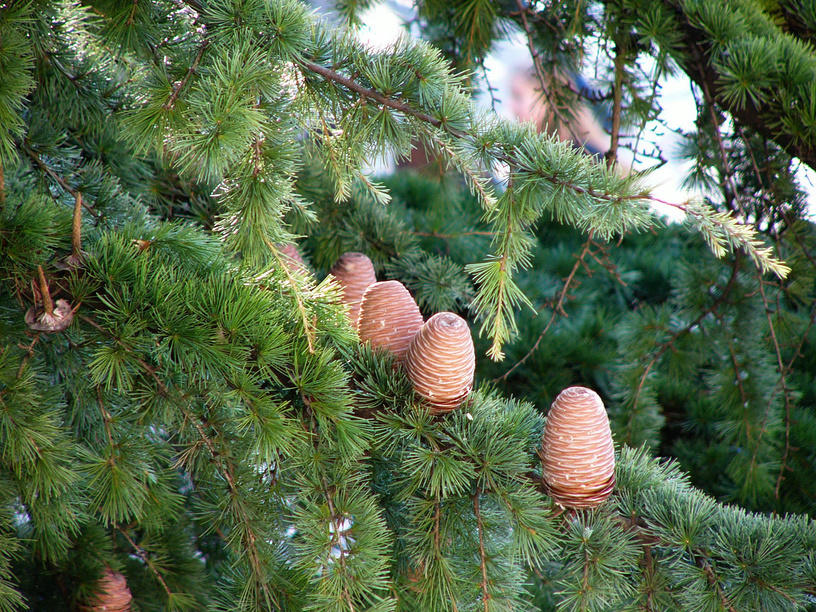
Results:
x,y
208,424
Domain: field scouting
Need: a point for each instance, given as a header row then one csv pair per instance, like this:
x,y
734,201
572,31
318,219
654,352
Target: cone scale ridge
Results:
x,y
441,361
578,457
389,317
355,273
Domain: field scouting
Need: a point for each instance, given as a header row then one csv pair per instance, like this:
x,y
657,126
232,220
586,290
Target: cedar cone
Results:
x,y
292,257
113,594
441,361
578,457
355,273
389,317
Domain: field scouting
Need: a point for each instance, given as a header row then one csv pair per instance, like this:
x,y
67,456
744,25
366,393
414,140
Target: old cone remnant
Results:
x,y
441,361
355,273
51,317
113,594
389,317
578,457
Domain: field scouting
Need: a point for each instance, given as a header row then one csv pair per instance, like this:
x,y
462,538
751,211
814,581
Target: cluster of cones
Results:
x,y
112,594
437,354
577,455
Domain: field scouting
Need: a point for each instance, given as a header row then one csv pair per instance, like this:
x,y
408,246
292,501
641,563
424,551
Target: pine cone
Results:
x,y
355,273
292,257
578,456
113,594
441,361
389,317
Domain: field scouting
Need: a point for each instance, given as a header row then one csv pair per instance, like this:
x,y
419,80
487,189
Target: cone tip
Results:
x,y
349,255
578,393
447,319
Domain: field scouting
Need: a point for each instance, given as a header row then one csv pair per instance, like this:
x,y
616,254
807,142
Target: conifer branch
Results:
x,y
665,346
354,86
539,69
106,418
556,309
251,539
617,102
337,540
56,177
698,47
144,556
2,184
218,458
482,554
714,582
171,101
308,328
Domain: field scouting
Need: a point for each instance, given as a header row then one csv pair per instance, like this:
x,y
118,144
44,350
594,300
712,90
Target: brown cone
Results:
x,y
389,317
292,257
113,594
578,457
355,273
441,361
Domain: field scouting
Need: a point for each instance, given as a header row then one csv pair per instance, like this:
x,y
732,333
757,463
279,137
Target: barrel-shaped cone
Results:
x,y
355,273
389,317
578,457
113,594
441,361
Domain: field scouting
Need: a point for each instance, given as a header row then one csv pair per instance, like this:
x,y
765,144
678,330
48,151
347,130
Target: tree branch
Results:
x,y
558,308
696,45
482,555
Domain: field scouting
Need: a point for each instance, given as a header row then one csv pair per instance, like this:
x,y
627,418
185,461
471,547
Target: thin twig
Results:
x,y
539,68
714,581
56,177
557,308
144,556
29,353
617,103
171,101
452,236
674,336
482,555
